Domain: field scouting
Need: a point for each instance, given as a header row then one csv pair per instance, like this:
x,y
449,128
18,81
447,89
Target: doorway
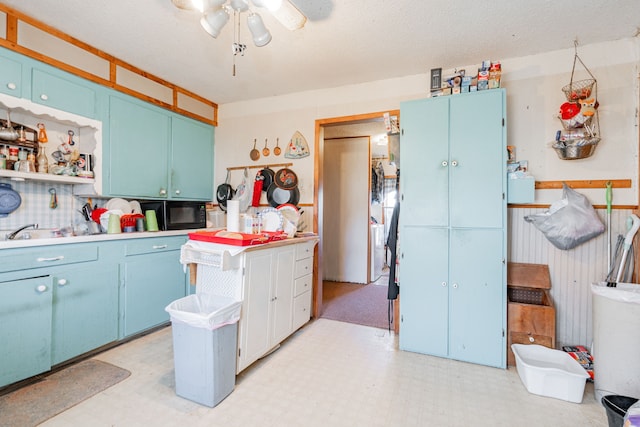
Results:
x,y
324,128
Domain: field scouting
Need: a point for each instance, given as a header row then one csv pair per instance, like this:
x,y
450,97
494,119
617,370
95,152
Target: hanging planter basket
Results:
x,y
581,133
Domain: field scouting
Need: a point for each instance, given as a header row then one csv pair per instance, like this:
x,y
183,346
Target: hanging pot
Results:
x,y
268,175
254,154
278,196
277,150
10,200
8,133
265,150
224,192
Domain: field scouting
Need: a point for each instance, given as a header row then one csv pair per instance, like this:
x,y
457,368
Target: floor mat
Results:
x,y
354,303
55,393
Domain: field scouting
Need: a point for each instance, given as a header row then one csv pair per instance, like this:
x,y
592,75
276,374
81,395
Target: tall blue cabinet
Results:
x,y
453,227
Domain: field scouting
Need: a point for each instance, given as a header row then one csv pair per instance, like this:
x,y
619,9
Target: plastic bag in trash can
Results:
x,y
205,311
632,417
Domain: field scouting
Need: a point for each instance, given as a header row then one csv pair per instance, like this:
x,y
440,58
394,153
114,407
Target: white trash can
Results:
x,y
616,339
205,331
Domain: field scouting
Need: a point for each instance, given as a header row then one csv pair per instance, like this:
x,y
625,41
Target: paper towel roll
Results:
x,y
233,215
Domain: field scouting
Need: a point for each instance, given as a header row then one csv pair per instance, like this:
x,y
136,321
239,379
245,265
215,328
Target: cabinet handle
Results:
x,y
62,282
454,163
11,86
44,97
444,163
177,192
41,288
531,339
55,258
159,246
455,286
163,192
444,284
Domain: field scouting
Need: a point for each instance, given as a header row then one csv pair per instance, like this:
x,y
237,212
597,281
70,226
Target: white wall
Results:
x,y
534,96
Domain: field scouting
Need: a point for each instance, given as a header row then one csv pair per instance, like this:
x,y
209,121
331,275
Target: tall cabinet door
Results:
x,y
477,160
425,154
476,300
424,292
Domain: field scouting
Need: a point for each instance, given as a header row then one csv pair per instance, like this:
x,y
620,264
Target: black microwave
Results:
x,y
177,214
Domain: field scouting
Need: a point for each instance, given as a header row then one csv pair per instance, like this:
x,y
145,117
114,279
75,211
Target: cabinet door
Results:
x,y
282,294
477,160
138,149
191,160
11,77
424,288
85,309
151,282
477,294
254,325
25,328
63,93
425,157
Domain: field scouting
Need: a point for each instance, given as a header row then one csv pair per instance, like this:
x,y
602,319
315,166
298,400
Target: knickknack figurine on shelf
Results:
x,y
579,117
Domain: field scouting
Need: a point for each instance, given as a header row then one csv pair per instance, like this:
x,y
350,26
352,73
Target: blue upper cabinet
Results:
x,y
191,160
63,94
138,149
10,77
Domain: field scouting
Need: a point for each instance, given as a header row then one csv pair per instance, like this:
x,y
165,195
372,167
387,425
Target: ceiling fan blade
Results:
x,y
289,15
184,4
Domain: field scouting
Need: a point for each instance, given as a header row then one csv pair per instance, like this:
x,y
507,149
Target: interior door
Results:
x,y
346,210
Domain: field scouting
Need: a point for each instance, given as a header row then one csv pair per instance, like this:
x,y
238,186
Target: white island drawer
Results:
x,y
303,267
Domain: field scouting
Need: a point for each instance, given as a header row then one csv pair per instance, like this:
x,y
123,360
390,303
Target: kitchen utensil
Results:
x,y
93,227
10,200
286,179
265,150
86,211
224,192
8,133
254,154
609,198
277,150
268,174
53,202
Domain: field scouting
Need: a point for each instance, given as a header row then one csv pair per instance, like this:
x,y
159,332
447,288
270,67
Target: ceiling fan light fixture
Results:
x,y
239,5
206,5
214,21
289,15
261,36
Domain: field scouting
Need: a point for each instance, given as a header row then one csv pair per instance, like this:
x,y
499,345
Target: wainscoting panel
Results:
x,y
572,271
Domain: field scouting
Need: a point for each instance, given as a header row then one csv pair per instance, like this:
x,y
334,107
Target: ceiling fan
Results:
x,y
216,14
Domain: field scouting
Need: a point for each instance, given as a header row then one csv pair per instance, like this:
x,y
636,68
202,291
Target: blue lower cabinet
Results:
x,y
85,309
25,328
150,282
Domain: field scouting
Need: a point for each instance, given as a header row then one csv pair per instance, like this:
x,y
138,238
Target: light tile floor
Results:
x,y
329,374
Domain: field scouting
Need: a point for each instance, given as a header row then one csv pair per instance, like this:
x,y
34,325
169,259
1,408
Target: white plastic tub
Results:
x,y
548,372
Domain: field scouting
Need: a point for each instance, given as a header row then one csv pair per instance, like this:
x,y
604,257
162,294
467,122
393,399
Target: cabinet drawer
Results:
x,y
301,309
305,250
303,267
303,284
157,244
22,259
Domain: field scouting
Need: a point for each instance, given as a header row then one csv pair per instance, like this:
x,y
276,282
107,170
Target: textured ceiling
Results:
x,y
343,42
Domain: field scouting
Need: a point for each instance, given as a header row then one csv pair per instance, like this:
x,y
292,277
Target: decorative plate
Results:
x,y
271,219
297,147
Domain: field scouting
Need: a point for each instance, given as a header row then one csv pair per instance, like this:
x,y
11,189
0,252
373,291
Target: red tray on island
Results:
x,y
237,239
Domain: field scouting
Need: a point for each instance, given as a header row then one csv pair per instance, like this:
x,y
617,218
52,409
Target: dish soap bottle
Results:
x,y
43,161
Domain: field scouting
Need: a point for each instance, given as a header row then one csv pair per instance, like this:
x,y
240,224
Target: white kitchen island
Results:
x,y
273,281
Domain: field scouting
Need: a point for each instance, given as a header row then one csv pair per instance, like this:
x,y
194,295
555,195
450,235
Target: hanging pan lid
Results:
x,y
224,192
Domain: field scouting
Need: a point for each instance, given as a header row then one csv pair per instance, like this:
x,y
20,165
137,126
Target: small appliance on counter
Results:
x,y
177,215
